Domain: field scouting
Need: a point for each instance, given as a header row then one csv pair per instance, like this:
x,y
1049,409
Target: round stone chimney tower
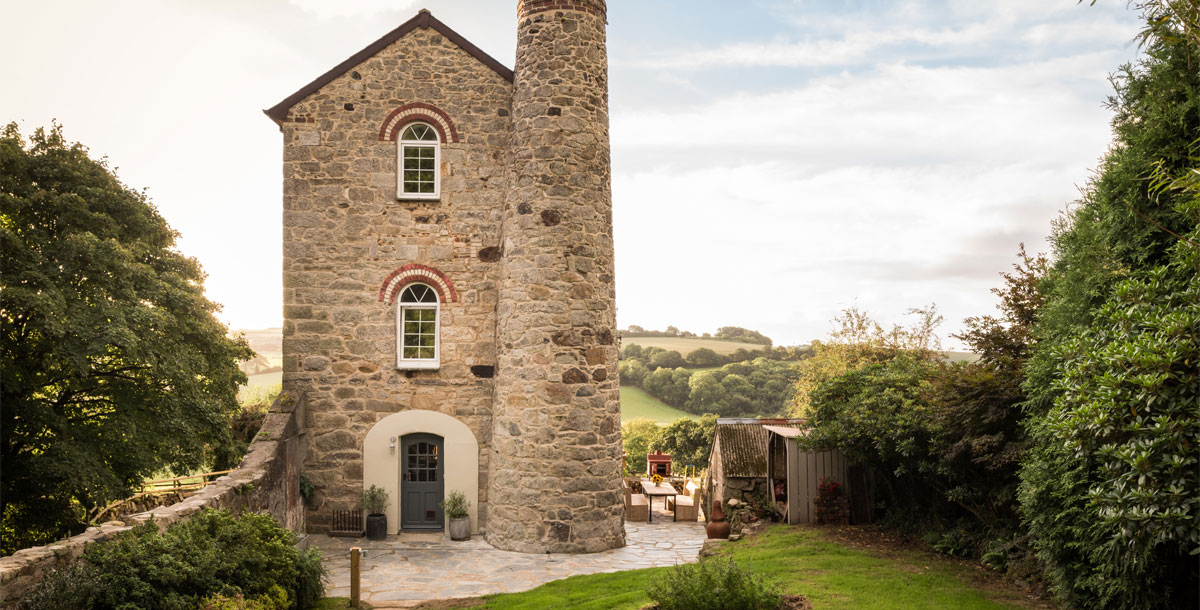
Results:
x,y
555,474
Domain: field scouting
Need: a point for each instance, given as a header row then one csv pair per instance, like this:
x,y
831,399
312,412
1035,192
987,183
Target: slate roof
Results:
x,y
423,19
743,445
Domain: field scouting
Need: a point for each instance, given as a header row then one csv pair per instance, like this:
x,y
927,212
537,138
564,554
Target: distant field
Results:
x,y
683,345
960,356
635,403
256,382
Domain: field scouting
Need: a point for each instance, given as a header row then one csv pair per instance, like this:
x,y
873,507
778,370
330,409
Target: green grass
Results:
x,y
338,603
799,560
683,345
635,403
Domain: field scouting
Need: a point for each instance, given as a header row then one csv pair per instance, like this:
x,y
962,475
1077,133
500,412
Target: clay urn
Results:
x,y
718,527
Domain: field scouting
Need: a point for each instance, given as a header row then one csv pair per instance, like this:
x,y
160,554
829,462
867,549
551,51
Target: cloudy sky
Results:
x,y
774,161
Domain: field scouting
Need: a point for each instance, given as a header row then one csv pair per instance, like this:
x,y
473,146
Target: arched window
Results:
x,y
419,157
417,328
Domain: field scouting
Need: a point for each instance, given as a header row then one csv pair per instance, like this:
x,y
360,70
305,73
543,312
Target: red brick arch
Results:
x,y
398,279
418,111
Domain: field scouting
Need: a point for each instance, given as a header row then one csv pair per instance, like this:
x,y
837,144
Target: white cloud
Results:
x,y
888,189
324,9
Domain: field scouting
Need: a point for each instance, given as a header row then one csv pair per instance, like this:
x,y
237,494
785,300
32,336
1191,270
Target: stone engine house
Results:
x,y
449,305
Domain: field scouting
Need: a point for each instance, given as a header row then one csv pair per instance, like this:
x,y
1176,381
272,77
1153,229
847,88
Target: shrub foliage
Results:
x,y
213,555
713,584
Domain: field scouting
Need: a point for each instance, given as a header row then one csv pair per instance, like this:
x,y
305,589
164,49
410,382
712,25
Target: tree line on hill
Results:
x,y
750,383
735,334
1067,454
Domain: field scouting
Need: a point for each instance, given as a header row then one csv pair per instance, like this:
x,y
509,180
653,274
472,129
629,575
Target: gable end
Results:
x,y
424,19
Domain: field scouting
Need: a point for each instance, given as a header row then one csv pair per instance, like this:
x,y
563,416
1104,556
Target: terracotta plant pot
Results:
x,y
460,528
376,526
718,527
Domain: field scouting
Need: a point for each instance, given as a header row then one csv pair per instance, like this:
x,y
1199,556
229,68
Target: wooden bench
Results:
x,y
637,506
684,504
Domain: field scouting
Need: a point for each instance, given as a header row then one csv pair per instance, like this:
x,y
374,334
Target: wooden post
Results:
x,y
355,554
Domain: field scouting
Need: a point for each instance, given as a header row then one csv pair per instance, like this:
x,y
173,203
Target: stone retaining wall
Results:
x,y
266,481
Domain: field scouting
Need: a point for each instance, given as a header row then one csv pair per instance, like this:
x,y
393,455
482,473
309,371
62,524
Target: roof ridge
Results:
x,y
423,19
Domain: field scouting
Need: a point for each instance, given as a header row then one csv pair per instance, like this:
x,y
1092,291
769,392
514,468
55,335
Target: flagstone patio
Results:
x,y
407,569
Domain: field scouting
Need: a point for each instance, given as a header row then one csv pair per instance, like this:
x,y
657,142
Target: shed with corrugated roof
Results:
x,y
737,464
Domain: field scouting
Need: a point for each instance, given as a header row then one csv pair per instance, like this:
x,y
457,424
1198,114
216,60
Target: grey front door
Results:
x,y
421,482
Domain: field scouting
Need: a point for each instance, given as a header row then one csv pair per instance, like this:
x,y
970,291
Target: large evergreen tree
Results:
x,y
1110,492
114,366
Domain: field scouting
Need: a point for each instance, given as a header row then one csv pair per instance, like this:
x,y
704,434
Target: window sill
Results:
x,y
418,365
418,197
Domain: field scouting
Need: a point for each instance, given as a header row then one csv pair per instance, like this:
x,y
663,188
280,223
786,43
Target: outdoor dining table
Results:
x,y
663,489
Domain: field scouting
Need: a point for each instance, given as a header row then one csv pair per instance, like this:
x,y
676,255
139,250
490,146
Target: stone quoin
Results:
x,y
449,299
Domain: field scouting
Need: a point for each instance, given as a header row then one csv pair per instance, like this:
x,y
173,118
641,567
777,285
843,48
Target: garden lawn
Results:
x,y
635,403
799,560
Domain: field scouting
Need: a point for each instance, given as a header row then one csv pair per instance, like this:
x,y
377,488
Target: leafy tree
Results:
x,y
857,341
705,393
634,328
1112,494
670,360
687,441
1109,490
113,364
704,356
633,372
669,385
632,350
636,438
744,335
877,416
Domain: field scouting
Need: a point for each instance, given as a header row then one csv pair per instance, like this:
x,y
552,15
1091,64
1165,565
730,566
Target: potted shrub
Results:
x,y
457,510
374,502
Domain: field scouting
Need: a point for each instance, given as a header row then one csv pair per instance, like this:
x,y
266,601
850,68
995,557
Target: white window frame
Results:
x,y
436,145
409,364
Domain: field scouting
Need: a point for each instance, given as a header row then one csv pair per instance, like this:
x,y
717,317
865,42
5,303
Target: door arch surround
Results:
x,y
381,457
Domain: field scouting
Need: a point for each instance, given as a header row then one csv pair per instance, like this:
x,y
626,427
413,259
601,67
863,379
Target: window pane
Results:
x,y
411,352
426,341
426,352
425,152
410,163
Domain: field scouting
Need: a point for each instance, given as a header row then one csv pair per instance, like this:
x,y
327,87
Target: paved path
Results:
x,y
410,568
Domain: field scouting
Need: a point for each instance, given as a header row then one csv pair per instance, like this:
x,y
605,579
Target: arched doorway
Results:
x,y
458,459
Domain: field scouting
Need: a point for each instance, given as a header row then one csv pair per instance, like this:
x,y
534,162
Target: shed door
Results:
x,y
421,481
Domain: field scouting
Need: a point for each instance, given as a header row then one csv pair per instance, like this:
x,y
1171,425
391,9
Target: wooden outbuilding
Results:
x,y
795,474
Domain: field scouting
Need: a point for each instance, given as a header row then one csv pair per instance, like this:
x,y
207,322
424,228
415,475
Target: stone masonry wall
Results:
x,y
265,481
344,232
555,485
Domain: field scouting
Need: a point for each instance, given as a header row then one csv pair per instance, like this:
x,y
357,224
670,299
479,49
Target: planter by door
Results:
x,y
376,526
421,482
460,529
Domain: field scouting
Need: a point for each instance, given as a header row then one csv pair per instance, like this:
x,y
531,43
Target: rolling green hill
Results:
x,y
635,403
